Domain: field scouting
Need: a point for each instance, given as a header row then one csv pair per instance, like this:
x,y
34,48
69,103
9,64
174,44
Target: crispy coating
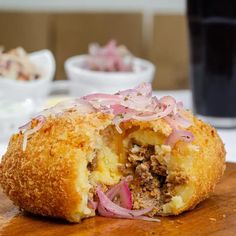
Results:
x,y
43,179
203,162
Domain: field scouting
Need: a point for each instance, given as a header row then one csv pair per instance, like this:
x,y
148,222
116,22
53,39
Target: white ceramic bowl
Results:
x,y
85,81
36,90
19,100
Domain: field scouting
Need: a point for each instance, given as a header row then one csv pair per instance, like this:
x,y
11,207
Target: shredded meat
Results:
x,y
143,173
157,168
92,165
152,185
176,178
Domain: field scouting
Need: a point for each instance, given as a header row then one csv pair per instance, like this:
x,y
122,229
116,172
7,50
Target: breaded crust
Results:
x,y
207,163
43,178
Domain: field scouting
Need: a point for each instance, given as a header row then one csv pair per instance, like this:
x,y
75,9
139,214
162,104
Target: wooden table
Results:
x,y
215,216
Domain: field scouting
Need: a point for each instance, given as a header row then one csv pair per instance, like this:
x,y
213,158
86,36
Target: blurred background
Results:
x,y
156,30
152,29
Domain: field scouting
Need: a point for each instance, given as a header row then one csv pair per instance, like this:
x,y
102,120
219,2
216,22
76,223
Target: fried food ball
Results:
x,y
57,174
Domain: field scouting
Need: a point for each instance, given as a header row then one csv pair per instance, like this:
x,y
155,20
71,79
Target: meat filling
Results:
x,y
152,185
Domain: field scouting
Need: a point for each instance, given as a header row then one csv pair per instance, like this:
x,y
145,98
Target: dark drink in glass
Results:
x,y
212,31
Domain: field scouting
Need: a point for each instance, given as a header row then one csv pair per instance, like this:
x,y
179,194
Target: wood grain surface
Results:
x,y
215,216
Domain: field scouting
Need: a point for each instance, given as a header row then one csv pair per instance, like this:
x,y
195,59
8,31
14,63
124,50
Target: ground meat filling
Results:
x,y
152,186
92,165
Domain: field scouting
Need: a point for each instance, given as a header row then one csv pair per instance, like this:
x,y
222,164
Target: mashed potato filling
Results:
x,y
106,171
140,153
83,184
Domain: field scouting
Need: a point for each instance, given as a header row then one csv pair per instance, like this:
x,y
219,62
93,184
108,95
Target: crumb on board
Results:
x,y
212,219
179,222
223,215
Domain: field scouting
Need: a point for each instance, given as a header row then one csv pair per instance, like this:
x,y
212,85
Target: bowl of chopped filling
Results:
x,y
25,81
107,69
26,76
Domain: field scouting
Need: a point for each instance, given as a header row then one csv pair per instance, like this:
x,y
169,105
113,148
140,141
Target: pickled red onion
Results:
x,y
108,208
103,212
179,135
25,126
178,121
123,192
101,96
109,58
93,204
116,209
136,103
139,104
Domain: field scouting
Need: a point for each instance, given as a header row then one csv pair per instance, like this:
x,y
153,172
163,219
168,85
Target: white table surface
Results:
x,y
228,135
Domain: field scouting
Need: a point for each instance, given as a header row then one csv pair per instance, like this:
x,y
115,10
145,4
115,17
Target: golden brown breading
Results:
x,y
204,166
51,176
43,179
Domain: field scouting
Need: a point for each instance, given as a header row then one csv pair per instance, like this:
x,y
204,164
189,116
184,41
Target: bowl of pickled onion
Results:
x,y
107,69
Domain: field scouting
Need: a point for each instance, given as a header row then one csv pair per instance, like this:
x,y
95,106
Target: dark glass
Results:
x,y
212,31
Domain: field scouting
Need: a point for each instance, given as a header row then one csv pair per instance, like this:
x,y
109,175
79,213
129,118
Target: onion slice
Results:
x,y
25,126
123,192
179,135
93,204
109,209
101,96
178,121
136,103
115,209
111,57
103,212
119,109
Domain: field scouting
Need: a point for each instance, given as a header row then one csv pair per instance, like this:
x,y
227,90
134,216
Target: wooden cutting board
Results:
x,y
215,216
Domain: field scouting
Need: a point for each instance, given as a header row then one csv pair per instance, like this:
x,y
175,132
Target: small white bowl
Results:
x,y
84,81
19,100
37,90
